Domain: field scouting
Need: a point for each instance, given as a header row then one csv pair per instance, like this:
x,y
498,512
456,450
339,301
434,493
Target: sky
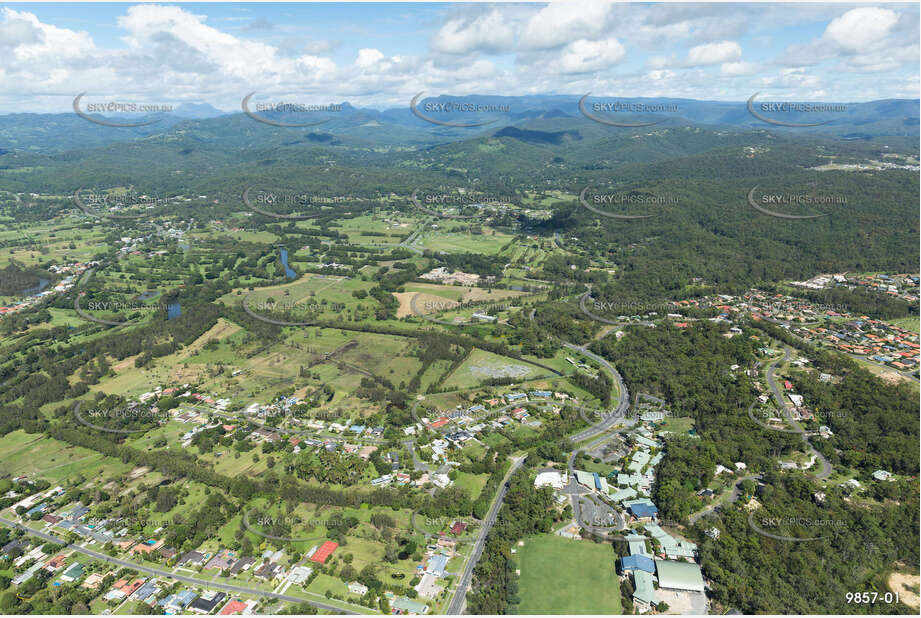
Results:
x,y
382,54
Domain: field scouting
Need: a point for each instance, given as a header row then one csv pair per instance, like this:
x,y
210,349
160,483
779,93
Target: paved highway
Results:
x,y
204,583
460,594
622,405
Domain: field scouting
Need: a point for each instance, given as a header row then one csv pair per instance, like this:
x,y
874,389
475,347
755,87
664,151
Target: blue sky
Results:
x,y
380,54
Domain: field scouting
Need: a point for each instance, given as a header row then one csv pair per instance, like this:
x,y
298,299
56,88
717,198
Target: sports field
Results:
x,y
562,576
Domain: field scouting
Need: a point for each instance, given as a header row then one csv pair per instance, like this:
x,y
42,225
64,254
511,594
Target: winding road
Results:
x,y
826,470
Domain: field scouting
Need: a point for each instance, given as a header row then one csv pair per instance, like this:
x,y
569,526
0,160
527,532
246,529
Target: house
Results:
x,y
192,558
178,602
224,559
458,527
358,588
206,603
243,564
73,572
146,591
94,580
146,547
268,571
13,545
27,574
167,552
882,475
436,565
55,563
299,574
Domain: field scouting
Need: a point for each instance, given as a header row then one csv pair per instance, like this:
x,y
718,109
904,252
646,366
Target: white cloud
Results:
x,y
368,57
561,23
488,32
738,68
714,53
585,56
859,28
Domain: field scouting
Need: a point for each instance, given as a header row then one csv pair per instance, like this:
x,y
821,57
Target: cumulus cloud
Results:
x,y
859,28
738,68
585,56
488,32
714,53
559,24
368,57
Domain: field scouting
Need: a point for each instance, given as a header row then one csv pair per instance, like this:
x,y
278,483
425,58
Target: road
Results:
x,y
619,412
460,594
204,583
866,359
826,470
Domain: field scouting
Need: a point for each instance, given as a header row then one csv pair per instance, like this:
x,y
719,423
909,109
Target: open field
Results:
x,y
482,365
913,323
563,576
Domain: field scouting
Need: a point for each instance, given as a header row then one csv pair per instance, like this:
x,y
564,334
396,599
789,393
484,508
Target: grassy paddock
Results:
x,y
562,576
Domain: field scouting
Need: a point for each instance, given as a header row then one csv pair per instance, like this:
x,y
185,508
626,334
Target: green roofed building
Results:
x,y
646,441
630,479
637,545
643,590
584,478
640,459
624,494
679,575
409,606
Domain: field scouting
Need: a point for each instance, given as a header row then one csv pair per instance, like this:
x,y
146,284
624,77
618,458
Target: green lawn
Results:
x,y
911,323
562,576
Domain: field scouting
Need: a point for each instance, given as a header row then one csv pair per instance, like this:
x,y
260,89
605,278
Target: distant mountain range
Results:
x,y
45,133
